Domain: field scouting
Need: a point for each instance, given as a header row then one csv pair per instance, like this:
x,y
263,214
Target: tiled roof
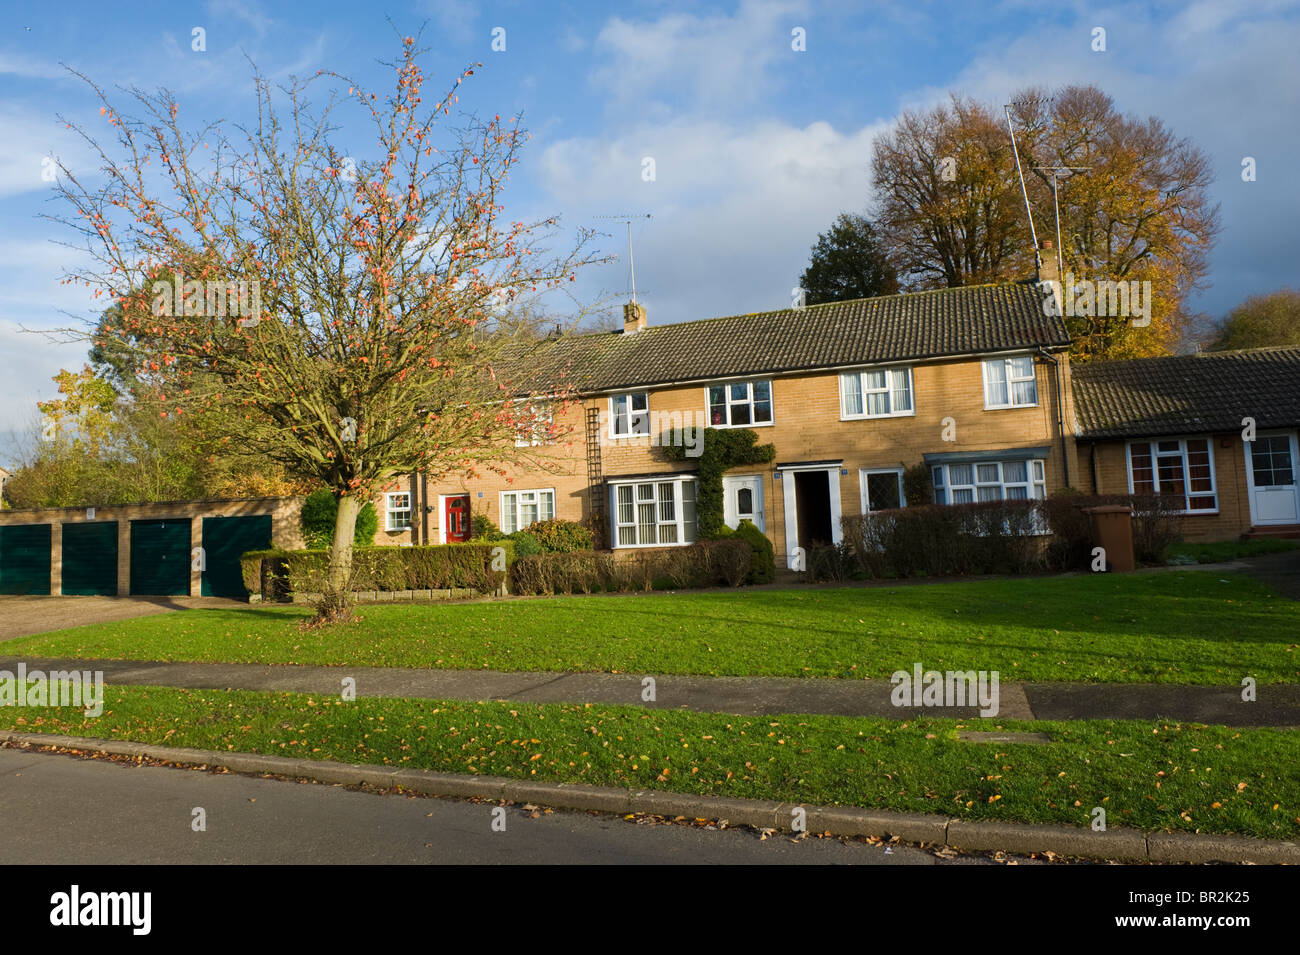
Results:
x,y
959,321
1189,394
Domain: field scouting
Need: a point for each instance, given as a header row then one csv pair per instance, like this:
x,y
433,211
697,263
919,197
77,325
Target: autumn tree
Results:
x,y
847,263
349,314
1260,321
1133,199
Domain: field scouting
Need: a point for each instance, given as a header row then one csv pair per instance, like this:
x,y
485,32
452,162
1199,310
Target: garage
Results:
x,y
225,539
25,559
90,559
160,557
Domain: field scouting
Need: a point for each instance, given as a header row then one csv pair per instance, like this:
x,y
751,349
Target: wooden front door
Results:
x,y
456,519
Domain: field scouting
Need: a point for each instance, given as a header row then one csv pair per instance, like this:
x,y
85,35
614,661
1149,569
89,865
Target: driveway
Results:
x,y
23,616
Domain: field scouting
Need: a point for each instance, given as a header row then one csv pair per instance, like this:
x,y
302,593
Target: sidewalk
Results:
x,y
1276,705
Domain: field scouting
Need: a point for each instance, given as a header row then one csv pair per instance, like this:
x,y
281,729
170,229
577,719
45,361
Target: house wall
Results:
x,y
806,427
1233,517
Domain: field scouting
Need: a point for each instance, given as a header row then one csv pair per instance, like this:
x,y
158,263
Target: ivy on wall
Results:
x,y
723,449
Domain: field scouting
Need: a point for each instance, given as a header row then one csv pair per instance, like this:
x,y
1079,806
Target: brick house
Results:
x,y
972,382
1176,425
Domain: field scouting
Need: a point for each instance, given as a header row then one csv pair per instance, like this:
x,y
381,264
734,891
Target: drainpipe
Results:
x,y
1060,413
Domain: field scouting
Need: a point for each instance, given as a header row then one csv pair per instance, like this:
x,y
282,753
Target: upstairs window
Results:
x,y
629,414
740,404
883,393
535,427
1010,382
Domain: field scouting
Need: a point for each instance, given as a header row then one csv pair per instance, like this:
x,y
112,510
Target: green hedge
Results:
x,y
277,573
702,564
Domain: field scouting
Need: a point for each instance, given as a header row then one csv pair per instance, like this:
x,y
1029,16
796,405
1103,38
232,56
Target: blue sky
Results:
x,y
757,146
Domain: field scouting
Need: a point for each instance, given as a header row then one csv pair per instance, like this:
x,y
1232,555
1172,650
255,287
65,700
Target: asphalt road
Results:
x,y
70,810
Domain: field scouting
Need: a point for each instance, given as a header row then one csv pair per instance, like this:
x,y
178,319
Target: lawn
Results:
x,y
1171,627
1219,551
1148,775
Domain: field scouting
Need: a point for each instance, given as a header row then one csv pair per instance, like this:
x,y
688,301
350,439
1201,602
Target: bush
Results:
x,y
703,564
561,537
277,573
991,537
917,489
482,528
526,543
831,562
1156,526
763,569
320,511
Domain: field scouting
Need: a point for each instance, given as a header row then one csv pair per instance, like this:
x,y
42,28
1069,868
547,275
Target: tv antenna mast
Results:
x,y
629,219
1056,202
1025,192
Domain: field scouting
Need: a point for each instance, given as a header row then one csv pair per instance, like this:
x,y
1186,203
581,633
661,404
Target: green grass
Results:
x,y
1170,627
1148,775
1219,551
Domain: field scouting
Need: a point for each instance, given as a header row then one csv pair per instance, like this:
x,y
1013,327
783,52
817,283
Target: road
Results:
x,y
71,810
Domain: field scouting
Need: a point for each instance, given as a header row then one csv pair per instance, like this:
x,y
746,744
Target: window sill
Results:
x,y
877,417
1009,407
761,424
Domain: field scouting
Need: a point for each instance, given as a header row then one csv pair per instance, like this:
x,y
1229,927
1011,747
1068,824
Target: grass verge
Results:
x,y
1148,775
1170,627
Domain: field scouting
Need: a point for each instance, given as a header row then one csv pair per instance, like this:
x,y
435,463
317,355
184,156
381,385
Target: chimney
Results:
x,y
633,318
1048,269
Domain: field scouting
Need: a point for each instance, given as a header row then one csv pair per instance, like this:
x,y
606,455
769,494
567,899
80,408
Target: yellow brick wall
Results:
x,y
1233,517
806,427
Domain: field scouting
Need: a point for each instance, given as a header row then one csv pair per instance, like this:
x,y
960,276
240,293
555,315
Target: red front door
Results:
x,y
456,519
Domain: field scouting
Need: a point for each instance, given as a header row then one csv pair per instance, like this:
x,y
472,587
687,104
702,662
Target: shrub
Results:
x,y
1156,526
320,511
917,489
703,564
482,527
526,543
277,573
831,562
561,537
763,568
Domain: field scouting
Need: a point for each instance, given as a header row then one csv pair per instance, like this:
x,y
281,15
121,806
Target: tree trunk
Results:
x,y
338,578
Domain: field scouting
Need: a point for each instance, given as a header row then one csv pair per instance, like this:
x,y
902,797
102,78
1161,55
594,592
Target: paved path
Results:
x,y
142,815
1277,705
23,616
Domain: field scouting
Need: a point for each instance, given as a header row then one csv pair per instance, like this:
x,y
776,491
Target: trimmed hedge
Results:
x,y
702,564
1157,525
277,573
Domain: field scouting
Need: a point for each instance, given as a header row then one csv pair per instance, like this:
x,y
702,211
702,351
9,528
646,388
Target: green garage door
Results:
x,y
25,559
160,557
90,559
224,540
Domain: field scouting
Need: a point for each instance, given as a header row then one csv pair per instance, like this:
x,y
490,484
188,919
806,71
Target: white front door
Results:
x,y
742,500
1271,469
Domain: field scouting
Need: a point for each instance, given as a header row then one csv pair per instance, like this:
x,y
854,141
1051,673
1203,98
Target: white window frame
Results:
x,y
677,519
1006,362
864,473
390,511
1035,483
1153,446
728,403
892,375
539,432
638,420
538,494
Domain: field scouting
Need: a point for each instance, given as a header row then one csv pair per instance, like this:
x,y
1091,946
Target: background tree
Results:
x,y
392,288
847,263
952,212
1260,321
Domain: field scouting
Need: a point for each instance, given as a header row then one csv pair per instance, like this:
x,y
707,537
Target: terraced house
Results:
x,y
973,383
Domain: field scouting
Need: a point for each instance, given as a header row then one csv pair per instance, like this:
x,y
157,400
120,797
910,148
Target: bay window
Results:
x,y
989,481
654,513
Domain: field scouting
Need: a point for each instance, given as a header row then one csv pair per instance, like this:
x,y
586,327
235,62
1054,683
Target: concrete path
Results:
x,y
144,815
1277,705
